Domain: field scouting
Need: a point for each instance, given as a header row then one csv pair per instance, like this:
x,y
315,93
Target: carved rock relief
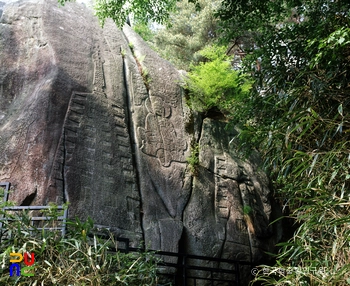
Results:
x,y
232,195
161,145
94,166
159,137
228,197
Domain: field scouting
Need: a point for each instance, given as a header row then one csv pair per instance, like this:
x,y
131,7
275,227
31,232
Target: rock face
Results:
x,y
94,117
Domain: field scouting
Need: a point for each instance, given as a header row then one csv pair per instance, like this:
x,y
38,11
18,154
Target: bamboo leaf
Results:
x,y
334,173
340,128
340,109
313,163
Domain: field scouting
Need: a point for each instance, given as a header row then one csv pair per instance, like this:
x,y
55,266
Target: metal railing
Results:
x,y
6,187
185,269
190,270
60,220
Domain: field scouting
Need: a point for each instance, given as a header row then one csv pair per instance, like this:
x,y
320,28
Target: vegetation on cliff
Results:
x,y
212,83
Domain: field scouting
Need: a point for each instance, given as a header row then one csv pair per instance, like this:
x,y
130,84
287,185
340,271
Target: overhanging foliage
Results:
x,y
298,52
119,10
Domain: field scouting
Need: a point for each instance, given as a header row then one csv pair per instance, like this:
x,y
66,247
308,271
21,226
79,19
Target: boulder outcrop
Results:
x,y
92,116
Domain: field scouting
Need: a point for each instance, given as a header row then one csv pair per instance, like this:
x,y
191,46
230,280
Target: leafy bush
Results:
x,y
77,259
214,84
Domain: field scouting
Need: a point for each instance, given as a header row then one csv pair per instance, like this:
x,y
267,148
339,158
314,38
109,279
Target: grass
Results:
x,y
77,259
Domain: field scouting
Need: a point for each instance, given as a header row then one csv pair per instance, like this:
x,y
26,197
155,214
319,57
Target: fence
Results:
x,y
189,269
186,269
60,221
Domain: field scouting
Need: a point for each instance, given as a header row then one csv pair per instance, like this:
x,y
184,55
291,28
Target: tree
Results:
x,y
297,116
189,29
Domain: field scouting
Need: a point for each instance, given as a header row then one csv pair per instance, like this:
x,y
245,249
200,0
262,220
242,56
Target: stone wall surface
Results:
x,y
93,116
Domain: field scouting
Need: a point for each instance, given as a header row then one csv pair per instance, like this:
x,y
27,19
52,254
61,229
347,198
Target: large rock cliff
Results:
x,y
93,116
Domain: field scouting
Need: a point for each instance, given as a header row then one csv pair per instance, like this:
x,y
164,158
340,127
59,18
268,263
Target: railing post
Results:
x,y
237,273
6,194
184,274
127,242
65,215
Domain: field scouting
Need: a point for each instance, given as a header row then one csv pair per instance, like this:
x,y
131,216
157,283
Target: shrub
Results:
x,y
213,83
77,259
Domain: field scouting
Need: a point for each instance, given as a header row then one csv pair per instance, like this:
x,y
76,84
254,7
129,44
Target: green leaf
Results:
x,y
340,109
334,174
313,163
